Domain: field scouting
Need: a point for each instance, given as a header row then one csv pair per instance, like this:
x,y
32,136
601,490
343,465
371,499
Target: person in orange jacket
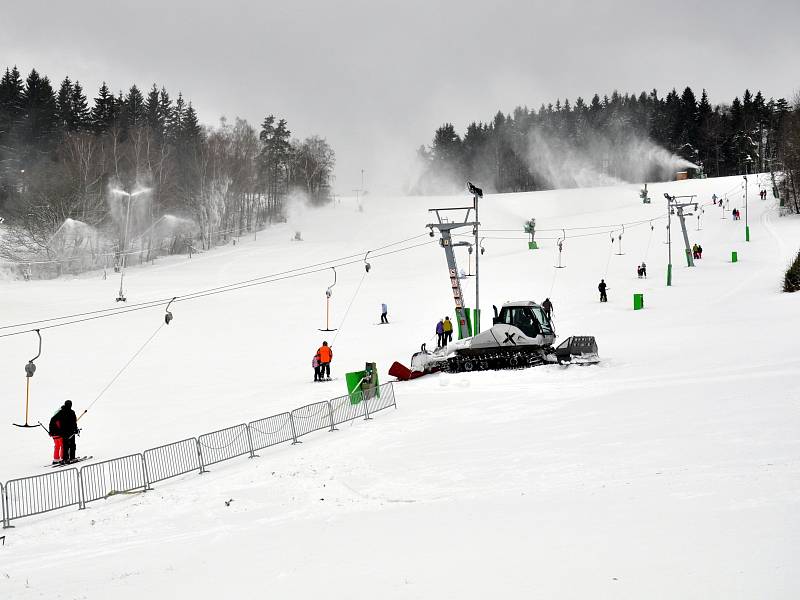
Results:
x,y
325,354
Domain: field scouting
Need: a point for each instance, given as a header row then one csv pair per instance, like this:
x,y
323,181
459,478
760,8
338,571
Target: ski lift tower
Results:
x,y
673,206
445,226
477,194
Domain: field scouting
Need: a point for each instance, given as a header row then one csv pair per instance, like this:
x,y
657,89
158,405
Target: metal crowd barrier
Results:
x,y
171,460
224,444
116,476
271,431
376,402
312,417
28,496
343,409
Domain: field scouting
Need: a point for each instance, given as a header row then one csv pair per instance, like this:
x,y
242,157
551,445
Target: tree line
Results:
x,y
63,158
751,134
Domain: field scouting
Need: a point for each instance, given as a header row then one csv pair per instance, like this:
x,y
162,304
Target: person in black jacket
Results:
x,y
68,427
602,288
547,306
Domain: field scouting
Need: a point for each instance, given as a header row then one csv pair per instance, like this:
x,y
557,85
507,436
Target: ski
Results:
x,y
72,462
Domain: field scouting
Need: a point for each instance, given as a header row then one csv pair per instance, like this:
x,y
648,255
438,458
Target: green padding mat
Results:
x,y
359,381
638,301
734,257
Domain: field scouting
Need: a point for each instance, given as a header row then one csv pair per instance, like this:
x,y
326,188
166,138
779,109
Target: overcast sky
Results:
x,y
377,77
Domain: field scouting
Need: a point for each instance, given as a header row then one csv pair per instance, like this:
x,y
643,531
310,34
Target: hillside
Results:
x,y
670,470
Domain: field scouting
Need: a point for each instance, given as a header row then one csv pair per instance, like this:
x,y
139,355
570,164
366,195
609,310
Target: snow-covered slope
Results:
x,y
671,470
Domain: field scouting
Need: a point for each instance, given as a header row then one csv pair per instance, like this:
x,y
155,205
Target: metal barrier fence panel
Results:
x,y
271,431
386,399
171,460
116,476
343,409
28,496
3,504
224,444
312,417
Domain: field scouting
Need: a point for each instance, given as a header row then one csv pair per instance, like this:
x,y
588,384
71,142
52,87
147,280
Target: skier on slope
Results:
x,y
440,334
447,329
602,287
55,432
325,354
547,306
68,427
315,366
384,311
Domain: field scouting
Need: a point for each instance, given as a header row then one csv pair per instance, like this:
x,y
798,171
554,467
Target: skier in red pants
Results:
x,y
58,441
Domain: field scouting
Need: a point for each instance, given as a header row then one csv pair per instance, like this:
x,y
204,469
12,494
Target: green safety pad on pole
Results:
x,y
669,274
533,246
359,382
476,317
747,233
468,317
462,329
354,385
734,256
638,301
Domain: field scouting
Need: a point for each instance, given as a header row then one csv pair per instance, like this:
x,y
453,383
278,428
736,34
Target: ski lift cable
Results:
x,y
615,225
614,229
649,241
553,282
123,369
151,303
349,306
569,237
140,251
244,285
367,267
203,294
610,254
213,291
148,304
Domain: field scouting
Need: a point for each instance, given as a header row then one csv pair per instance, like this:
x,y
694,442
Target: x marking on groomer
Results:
x,y
510,338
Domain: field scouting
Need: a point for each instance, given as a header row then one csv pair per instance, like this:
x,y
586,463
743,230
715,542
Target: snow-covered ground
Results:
x,y
671,470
